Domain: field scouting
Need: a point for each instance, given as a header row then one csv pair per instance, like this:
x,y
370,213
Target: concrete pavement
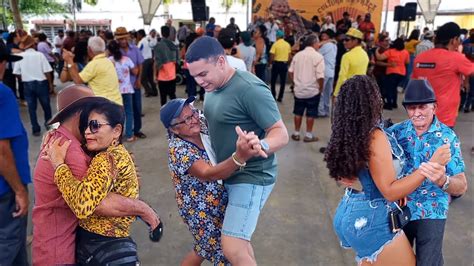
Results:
x,y
295,227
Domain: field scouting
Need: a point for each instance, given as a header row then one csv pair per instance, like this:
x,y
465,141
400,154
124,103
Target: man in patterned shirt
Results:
x,y
419,137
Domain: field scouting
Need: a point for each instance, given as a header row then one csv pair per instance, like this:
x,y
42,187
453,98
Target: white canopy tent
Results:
x,y
149,8
429,9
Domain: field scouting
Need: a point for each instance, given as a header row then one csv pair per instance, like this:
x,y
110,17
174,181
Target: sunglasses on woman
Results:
x,y
189,119
95,125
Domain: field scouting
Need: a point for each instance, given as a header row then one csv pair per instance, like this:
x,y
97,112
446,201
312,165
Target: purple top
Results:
x,y
137,58
44,48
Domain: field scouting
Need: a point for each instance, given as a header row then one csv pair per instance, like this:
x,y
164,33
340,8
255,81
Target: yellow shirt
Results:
x,y
281,50
110,171
354,62
101,76
410,46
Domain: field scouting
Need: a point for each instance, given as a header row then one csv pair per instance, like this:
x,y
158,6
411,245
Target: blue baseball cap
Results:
x,y
280,34
173,109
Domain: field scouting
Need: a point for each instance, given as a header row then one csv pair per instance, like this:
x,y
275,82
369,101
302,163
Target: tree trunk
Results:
x,y
16,14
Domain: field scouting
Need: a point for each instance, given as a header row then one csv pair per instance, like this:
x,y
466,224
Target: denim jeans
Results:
x,y
12,233
128,107
323,109
137,111
34,91
428,236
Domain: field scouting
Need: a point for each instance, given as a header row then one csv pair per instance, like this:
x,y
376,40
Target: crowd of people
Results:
x,y
222,160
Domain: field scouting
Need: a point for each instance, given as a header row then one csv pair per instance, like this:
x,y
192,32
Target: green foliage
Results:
x,y
91,2
41,7
228,3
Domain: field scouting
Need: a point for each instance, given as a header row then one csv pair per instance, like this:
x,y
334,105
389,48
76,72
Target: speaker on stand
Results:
x,y
200,10
409,13
398,17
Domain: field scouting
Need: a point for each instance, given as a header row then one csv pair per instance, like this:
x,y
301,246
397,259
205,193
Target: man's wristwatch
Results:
x,y
264,145
446,184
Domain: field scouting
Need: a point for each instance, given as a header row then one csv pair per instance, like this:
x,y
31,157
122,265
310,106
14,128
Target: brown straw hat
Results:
x,y
27,42
121,32
71,97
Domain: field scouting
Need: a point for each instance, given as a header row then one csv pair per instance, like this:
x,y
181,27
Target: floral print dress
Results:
x,y
201,204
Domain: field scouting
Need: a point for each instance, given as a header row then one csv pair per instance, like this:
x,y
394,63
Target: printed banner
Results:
x,y
301,11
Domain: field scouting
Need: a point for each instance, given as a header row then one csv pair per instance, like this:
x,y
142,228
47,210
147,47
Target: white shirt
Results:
x,y
271,31
307,67
146,46
58,41
330,26
236,63
33,66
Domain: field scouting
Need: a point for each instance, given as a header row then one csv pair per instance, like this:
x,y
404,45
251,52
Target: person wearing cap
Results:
x,y
34,70
360,149
345,23
164,69
443,66
307,72
131,51
279,56
247,51
355,61
426,44
195,175
238,98
227,39
14,173
420,136
54,223
99,73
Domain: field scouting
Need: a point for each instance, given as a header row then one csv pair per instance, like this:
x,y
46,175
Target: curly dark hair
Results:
x,y
357,111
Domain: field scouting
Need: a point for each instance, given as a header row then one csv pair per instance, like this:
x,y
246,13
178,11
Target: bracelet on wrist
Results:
x,y
59,165
236,161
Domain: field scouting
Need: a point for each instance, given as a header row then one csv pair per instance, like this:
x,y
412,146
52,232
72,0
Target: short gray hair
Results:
x,y
96,44
311,40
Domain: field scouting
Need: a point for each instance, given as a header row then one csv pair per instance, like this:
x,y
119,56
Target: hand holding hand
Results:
x,y
442,155
248,145
68,56
435,172
55,152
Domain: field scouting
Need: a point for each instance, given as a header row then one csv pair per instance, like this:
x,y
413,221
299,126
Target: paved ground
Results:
x,y
295,227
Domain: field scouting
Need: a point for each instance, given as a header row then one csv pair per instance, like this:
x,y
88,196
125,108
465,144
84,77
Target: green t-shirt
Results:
x,y
247,102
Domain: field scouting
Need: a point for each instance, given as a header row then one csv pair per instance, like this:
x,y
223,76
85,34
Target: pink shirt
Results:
x,y
54,224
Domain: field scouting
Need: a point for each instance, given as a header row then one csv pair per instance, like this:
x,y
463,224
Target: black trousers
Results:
x,y
279,69
167,88
147,79
427,235
392,81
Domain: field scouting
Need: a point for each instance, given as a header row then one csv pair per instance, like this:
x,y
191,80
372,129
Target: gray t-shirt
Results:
x,y
248,55
245,101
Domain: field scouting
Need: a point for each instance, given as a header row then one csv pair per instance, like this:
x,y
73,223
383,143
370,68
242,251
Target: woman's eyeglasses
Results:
x,y
95,125
189,119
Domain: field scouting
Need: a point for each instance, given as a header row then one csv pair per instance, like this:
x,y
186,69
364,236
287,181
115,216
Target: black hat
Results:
x,y
419,91
5,55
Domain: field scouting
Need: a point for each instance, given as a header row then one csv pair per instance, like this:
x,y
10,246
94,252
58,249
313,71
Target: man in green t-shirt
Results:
x,y
238,98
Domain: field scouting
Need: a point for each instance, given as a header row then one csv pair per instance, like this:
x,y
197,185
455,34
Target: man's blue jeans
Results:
x,y
34,91
137,111
127,99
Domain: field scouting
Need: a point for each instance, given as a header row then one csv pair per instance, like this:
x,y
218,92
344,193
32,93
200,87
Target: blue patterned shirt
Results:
x,y
428,201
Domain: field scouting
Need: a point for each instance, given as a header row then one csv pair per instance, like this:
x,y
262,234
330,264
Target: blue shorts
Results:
x,y
243,209
362,224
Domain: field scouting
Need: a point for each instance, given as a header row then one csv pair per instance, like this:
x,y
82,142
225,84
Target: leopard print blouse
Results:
x,y
110,171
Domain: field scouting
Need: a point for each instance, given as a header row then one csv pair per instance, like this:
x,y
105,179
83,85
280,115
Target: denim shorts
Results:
x,y
362,224
243,209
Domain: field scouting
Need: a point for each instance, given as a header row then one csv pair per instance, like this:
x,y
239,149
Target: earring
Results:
x,y
114,142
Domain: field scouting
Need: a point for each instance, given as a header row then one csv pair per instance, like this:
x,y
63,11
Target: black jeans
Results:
x,y
392,81
147,79
260,70
279,69
167,88
427,235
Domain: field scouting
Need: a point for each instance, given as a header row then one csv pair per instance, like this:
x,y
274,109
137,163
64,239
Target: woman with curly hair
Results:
x,y
359,149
